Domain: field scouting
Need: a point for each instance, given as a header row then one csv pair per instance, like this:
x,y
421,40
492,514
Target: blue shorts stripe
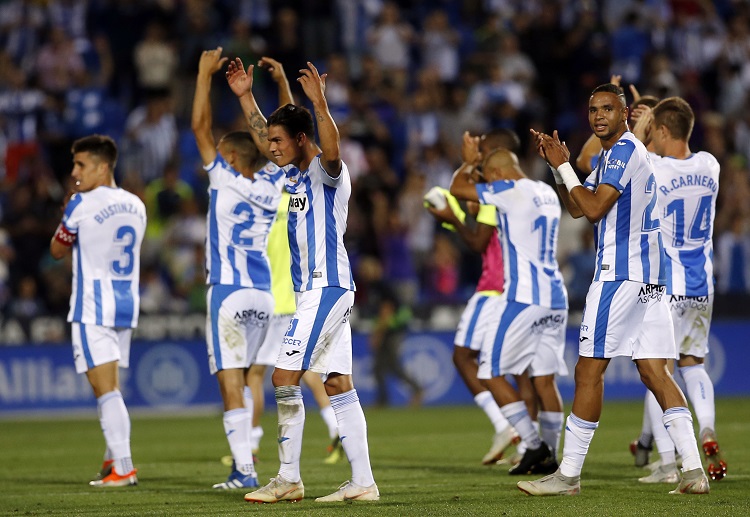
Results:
x,y
602,316
98,300
512,310
328,298
473,322
85,346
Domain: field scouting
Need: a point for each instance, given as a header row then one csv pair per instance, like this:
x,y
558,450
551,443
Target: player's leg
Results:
x,y
237,420
335,362
315,383
551,415
254,379
507,352
307,345
666,472
642,446
549,362
691,335
232,346
480,316
99,351
465,360
654,344
353,428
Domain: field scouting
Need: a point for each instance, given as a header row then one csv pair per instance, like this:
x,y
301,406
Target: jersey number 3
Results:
x,y
125,239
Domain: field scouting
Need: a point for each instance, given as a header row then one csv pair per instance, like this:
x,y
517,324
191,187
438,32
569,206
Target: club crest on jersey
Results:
x,y
297,203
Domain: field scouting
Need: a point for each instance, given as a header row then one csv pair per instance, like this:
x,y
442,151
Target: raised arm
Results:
x,y
313,85
570,205
279,77
241,84
201,120
462,186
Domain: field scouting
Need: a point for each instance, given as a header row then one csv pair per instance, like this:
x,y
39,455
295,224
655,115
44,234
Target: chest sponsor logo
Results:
x,y
298,203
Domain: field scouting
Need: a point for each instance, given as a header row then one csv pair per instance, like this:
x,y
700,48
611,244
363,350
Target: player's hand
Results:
x,y
275,68
445,214
643,117
639,112
240,82
555,151
470,149
615,79
313,84
539,138
211,61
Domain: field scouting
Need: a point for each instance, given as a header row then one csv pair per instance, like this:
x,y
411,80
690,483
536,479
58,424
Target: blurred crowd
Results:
x,y
405,80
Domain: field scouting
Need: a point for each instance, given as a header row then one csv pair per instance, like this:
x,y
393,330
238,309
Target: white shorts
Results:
x,y
319,337
94,345
624,318
236,325
526,337
691,316
268,353
474,322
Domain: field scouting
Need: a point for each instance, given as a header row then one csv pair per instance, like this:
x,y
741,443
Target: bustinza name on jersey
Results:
x,y
694,180
115,209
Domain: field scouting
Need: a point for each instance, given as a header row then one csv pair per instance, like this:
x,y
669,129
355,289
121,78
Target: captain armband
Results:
x,y
63,236
569,176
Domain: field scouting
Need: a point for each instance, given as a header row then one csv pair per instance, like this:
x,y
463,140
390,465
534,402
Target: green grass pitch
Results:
x,y
426,462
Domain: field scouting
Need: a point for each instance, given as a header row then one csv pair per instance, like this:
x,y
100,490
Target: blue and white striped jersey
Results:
x,y
240,214
109,224
627,239
687,200
318,209
528,221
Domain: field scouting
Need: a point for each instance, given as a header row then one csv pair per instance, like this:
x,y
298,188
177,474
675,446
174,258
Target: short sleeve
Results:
x,y
219,172
73,213
616,169
488,192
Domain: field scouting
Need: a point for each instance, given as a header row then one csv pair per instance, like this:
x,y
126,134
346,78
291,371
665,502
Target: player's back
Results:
x,y
109,224
687,200
240,214
318,211
628,239
528,219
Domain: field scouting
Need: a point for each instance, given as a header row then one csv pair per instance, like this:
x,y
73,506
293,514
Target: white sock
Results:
x,y
578,436
115,422
353,432
646,434
664,443
679,425
519,418
237,425
700,391
291,424
247,397
256,433
550,423
329,417
486,401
